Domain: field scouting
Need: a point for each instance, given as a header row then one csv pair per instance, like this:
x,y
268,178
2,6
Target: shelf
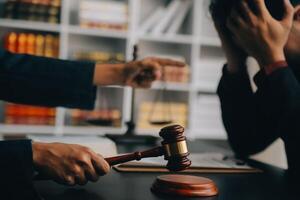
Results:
x,y
27,129
30,25
91,130
97,32
36,129
172,86
210,41
180,39
206,88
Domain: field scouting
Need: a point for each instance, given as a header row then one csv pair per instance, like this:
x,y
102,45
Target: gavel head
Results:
x,y
175,148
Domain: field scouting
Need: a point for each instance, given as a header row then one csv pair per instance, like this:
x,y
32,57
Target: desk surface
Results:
x,y
136,186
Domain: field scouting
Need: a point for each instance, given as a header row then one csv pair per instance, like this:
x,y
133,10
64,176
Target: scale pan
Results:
x,y
100,122
163,122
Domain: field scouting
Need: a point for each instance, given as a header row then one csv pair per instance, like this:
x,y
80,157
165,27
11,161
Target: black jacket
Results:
x,y
254,120
38,81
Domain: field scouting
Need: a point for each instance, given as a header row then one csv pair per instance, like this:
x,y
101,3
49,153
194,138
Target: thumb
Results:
x,y
288,13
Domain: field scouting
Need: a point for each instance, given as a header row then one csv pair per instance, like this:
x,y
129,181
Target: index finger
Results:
x,y
260,7
168,62
100,164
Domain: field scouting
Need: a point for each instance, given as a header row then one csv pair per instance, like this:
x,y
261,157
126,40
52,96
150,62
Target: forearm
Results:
x,y
246,123
47,82
109,74
283,92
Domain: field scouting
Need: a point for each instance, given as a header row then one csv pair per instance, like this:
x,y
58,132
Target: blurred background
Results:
x,y
106,31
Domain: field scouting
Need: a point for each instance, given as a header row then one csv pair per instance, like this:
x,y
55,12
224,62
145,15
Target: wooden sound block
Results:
x,y
186,186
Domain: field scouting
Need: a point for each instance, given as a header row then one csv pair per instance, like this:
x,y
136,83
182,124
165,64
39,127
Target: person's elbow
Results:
x,y
245,147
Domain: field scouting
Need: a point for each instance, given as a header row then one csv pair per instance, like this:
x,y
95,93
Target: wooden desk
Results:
x,y
136,186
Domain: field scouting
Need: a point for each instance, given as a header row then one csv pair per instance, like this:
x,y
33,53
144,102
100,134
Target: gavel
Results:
x,y
173,148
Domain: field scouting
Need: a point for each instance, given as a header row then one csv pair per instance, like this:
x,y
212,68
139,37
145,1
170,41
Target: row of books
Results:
x,y
34,44
100,57
176,74
103,14
100,117
34,115
34,10
29,115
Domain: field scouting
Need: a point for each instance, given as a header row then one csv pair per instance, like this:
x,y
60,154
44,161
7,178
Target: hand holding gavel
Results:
x,y
72,164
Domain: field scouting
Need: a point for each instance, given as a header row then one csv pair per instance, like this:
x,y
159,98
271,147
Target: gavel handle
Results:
x,y
155,152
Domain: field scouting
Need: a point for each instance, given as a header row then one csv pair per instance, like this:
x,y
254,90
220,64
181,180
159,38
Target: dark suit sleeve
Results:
x,y
283,91
47,82
16,170
246,120
253,121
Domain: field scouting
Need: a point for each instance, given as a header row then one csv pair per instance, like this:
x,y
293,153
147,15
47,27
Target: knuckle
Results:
x,y
76,170
88,150
85,149
83,157
146,62
69,180
254,23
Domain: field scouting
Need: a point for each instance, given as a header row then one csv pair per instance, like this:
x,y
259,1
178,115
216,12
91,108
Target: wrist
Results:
x,y
108,74
234,67
271,58
37,154
269,69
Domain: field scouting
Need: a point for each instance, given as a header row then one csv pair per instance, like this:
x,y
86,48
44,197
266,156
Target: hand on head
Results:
x,y
248,29
142,73
68,164
235,55
258,33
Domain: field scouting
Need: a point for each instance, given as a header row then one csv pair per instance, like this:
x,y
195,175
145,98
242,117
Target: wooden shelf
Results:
x,y
91,130
73,29
210,41
185,87
30,25
27,129
180,39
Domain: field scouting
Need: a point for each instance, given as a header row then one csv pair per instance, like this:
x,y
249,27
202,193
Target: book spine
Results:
x,y
34,10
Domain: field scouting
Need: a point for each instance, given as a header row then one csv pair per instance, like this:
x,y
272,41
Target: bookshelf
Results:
x,y
196,41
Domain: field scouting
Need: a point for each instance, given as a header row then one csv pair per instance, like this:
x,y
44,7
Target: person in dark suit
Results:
x,y
51,82
269,31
